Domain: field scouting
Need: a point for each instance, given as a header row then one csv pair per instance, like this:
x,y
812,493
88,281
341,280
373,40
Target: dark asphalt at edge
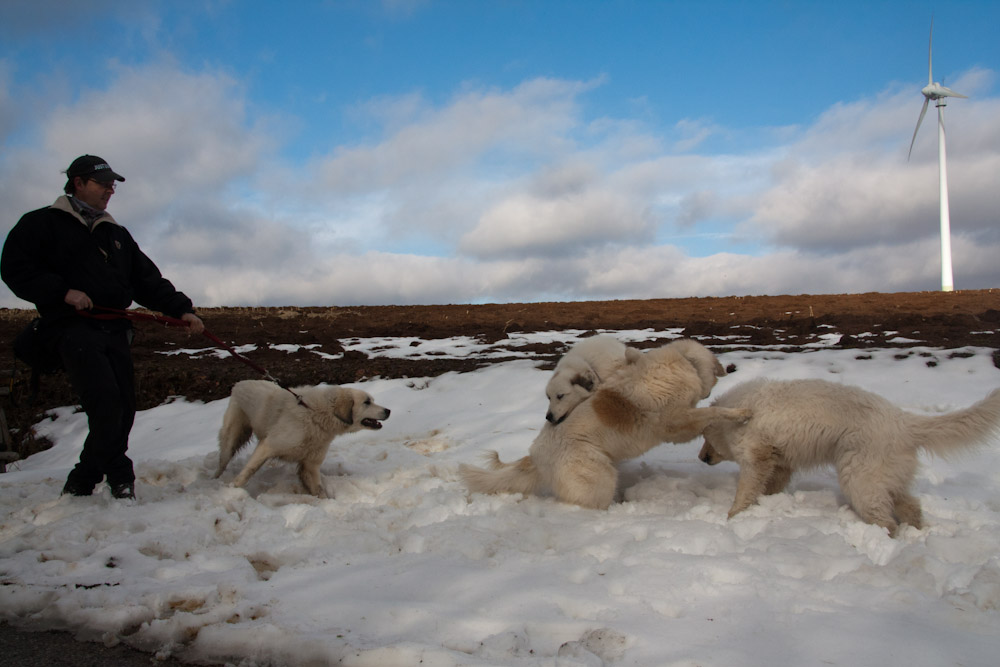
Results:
x,y
48,648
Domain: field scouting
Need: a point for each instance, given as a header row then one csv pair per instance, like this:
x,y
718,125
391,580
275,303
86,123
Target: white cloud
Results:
x,y
527,225
846,183
693,133
175,133
530,122
177,137
636,272
230,238
841,203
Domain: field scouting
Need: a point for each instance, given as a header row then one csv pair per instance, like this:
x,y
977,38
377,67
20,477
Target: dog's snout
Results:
x,y
706,457
387,413
555,421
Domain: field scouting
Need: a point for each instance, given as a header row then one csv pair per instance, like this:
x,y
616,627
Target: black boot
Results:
x,y
75,487
124,490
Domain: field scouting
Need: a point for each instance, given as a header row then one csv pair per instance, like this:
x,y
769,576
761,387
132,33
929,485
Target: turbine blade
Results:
x,y
923,110
948,92
930,43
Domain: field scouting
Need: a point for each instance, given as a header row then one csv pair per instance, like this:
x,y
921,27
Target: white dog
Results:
x,y
293,427
806,423
650,400
580,371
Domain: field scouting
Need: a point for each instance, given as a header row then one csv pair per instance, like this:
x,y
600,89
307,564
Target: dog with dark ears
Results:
x,y
652,399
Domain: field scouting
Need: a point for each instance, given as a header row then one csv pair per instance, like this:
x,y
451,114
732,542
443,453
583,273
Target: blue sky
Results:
x,y
337,153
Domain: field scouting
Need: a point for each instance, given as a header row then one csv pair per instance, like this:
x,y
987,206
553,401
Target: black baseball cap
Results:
x,y
94,168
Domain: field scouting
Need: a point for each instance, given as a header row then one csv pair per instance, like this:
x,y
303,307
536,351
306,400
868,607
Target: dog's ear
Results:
x,y
343,407
586,381
632,355
708,376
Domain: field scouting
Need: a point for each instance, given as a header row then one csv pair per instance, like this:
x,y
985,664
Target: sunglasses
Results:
x,y
107,185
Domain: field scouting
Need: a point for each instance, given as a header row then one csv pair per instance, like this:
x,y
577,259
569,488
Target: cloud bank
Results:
x,y
512,194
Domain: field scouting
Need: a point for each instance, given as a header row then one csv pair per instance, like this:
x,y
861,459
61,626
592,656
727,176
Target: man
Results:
x,y
68,258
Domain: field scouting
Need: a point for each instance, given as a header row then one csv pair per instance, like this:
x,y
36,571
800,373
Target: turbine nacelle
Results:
x,y
935,91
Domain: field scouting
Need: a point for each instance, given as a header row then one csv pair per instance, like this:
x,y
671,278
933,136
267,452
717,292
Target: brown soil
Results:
x,y
937,319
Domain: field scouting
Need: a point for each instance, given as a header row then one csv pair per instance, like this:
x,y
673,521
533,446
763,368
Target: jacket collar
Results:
x,y
63,203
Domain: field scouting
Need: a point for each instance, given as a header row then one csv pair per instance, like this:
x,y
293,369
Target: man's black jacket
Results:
x,y
51,251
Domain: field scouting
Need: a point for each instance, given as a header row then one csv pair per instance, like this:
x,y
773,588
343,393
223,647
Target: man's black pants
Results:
x,y
98,361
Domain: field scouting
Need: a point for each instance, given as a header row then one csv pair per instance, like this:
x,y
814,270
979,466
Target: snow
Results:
x,y
403,567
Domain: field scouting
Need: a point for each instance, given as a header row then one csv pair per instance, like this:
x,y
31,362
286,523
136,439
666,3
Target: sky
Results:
x,y
424,151
402,566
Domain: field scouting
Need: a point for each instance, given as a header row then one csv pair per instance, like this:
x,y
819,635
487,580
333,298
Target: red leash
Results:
x,y
118,314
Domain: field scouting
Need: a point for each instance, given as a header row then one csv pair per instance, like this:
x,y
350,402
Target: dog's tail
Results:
x,y
704,361
521,476
947,434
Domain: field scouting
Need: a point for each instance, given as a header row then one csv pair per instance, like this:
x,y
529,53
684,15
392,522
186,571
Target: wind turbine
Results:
x,y
935,91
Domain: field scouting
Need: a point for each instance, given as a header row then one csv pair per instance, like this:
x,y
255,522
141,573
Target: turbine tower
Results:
x,y
935,91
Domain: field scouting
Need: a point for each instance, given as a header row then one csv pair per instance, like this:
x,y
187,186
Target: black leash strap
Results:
x,y
118,314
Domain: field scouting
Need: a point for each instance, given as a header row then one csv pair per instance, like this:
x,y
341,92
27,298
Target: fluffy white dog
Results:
x,y
290,429
800,424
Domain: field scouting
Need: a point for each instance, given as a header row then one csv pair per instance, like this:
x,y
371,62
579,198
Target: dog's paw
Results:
x,y
744,415
737,508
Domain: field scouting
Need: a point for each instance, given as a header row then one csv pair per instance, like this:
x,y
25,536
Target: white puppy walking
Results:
x,y
290,429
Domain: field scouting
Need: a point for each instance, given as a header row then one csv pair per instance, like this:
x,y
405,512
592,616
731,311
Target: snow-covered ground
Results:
x,y
403,567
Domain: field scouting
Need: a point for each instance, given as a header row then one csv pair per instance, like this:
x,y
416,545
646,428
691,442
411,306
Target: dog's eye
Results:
x,y
559,397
